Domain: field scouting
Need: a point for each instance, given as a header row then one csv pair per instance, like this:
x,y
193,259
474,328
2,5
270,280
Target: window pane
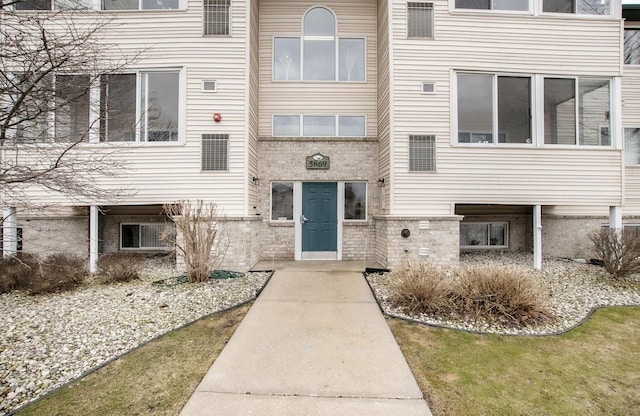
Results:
x,y
475,107
30,120
118,108
521,5
497,234
420,20
160,4
473,234
351,126
150,236
73,4
130,236
422,153
632,46
33,5
215,152
632,146
286,59
602,7
558,6
319,45
159,106
216,17
559,111
120,4
72,107
319,22
594,112
355,201
282,201
319,60
473,4
351,60
514,109
319,126
286,126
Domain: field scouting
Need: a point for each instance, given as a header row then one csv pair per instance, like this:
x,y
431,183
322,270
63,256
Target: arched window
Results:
x,y
313,56
319,45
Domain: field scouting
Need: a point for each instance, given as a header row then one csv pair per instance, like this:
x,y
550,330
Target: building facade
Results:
x,y
369,130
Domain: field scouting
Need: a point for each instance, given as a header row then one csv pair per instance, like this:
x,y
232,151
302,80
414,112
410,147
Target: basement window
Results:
x,y
480,235
144,236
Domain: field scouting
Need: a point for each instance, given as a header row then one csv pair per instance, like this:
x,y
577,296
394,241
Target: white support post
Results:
x,y
537,237
9,232
615,218
93,238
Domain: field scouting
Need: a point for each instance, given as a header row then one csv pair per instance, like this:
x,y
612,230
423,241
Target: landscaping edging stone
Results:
x,y
575,290
51,340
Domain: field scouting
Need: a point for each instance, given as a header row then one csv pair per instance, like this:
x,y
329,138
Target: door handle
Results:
x,y
303,219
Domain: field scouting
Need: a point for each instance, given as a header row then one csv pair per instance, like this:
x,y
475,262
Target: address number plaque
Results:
x,y
318,161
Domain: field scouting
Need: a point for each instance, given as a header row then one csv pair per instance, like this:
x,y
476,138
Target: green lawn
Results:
x,y
592,370
156,379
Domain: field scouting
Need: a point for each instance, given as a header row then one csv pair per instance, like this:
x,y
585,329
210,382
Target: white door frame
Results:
x,y
297,215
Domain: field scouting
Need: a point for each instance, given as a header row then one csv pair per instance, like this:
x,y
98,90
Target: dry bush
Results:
x,y
421,288
619,250
203,241
119,267
56,273
503,294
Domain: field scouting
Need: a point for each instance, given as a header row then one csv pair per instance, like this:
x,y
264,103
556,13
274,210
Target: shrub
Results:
x,y
500,294
119,267
507,295
56,273
619,250
203,241
421,288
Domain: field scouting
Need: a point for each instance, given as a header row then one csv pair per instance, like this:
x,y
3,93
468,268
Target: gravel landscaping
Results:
x,y
574,289
48,340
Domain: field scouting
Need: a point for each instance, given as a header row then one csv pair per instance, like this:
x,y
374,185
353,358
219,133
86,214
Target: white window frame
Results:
x,y
336,123
140,120
488,225
293,191
366,202
422,85
215,85
229,22
535,9
140,225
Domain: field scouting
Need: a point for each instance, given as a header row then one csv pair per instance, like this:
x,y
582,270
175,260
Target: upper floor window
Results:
x,y
498,109
601,7
420,20
153,118
318,126
319,54
33,5
72,107
215,152
422,153
632,46
216,14
522,5
140,4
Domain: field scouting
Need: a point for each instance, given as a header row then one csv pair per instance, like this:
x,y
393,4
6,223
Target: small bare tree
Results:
x,y
50,64
619,250
200,236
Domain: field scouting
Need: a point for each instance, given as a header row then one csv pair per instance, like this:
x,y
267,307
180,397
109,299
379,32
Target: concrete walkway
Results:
x,y
314,343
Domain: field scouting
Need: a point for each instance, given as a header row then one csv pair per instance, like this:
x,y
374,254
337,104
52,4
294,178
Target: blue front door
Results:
x,y
320,213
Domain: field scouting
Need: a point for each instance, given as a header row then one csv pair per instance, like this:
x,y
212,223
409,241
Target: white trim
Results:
x,y
297,213
422,91
93,238
215,85
537,237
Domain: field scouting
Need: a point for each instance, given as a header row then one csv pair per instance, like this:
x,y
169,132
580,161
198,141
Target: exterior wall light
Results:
x,y
256,180
381,182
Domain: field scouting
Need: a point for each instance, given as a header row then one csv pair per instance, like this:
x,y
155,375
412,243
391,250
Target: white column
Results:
x,y
9,232
615,218
93,238
537,237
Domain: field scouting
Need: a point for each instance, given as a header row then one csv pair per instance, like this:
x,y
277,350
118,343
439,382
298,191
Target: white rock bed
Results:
x,y
575,289
48,340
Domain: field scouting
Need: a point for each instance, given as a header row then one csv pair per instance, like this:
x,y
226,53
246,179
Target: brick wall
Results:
x,y
48,235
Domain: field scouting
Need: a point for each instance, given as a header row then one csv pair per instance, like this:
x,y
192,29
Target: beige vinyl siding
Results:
x,y
631,118
253,107
164,172
496,43
384,102
355,18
